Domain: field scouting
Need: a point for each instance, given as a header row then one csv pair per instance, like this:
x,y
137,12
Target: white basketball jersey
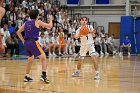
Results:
x,y
88,39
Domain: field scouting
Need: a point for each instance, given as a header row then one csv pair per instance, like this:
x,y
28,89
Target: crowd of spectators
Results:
x,y
17,12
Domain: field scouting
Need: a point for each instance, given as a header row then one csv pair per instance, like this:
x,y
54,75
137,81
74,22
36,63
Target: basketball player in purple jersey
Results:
x,y
31,44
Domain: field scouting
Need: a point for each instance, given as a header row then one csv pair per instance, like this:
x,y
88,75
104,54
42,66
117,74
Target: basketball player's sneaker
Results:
x,y
54,54
129,54
76,74
97,77
44,79
27,79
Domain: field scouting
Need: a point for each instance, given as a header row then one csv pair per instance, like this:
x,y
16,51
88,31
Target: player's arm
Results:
x,y
21,29
46,25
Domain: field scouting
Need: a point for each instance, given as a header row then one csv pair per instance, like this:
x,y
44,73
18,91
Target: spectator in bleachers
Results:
x,y
70,46
111,44
11,28
50,44
42,41
5,31
24,4
19,23
61,41
54,44
77,45
12,45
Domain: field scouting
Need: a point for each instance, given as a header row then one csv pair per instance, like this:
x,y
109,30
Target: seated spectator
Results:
x,y
54,43
11,28
125,45
77,45
70,46
111,44
61,42
41,41
12,45
50,44
97,43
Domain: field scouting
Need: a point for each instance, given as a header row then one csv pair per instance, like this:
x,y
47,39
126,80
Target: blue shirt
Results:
x,y
126,41
11,29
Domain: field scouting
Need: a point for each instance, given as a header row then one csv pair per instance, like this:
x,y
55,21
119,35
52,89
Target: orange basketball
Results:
x,y
84,30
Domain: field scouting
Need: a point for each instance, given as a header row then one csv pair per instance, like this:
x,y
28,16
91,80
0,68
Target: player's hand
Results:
x,y
23,42
92,31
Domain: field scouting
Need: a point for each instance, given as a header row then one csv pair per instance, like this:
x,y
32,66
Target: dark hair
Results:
x,y
42,33
83,18
33,14
126,35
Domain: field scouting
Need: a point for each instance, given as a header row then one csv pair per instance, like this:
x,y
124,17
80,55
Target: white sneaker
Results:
x,y
120,54
76,74
101,53
97,77
114,52
106,53
50,54
60,53
97,54
129,54
54,54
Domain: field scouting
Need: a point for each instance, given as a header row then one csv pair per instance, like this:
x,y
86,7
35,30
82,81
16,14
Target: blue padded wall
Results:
x,y
137,27
102,1
127,27
73,1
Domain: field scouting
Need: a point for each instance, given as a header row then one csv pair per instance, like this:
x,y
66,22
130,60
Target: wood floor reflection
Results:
x,y
118,75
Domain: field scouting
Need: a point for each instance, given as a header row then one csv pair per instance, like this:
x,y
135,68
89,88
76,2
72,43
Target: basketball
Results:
x,y
84,30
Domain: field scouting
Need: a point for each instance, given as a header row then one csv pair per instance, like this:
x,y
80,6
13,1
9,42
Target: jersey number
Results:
x,y
87,37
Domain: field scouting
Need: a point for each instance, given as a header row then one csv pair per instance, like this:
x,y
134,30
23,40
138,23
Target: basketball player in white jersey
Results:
x,y
85,33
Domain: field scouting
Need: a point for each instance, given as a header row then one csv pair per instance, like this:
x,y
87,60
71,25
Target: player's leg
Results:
x,y
42,57
83,51
28,69
92,53
38,51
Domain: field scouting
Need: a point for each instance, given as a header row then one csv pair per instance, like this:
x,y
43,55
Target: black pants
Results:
x,y
77,49
98,48
14,49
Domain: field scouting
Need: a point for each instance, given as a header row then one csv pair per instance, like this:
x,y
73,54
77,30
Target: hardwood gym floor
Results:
x,y
118,75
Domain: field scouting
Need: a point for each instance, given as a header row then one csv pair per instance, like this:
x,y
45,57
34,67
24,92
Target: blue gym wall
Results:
x,y
127,27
